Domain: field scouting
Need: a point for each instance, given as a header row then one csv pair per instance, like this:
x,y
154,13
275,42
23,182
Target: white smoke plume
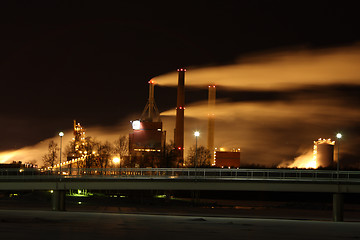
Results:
x,y
34,154
278,70
268,131
271,132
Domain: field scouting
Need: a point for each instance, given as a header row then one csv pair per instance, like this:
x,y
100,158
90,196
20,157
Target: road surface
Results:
x,y
29,224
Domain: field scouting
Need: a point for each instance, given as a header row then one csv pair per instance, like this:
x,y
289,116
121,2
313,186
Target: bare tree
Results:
x,y
90,150
103,154
201,157
121,148
50,158
169,156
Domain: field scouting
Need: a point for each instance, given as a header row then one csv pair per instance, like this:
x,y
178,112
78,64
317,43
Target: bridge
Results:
x,y
277,180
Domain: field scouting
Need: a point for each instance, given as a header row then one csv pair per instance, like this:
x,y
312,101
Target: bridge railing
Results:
x,y
184,173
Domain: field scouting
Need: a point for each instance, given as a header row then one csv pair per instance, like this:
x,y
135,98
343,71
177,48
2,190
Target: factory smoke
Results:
x,y
296,97
271,106
279,70
271,133
33,154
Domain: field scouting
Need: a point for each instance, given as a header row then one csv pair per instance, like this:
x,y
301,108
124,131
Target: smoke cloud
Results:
x,y
271,133
34,154
278,70
314,94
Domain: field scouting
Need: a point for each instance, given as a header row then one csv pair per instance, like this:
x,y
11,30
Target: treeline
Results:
x,y
98,154
94,153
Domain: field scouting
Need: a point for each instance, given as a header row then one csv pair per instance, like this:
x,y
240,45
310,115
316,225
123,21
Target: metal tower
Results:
x,y
151,112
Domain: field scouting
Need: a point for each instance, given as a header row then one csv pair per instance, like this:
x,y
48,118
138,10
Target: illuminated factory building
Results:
x,y
147,140
79,140
324,152
78,153
225,159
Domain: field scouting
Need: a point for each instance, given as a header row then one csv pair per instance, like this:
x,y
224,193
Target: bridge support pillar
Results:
x,y
338,207
195,197
58,200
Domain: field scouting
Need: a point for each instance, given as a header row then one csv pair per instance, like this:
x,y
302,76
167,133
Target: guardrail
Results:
x,y
184,173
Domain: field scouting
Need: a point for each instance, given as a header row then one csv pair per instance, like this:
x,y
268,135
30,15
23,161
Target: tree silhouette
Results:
x,y
103,154
121,148
50,158
202,157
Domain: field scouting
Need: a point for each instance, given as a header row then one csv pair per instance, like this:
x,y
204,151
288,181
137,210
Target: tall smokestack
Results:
x,y
211,122
180,106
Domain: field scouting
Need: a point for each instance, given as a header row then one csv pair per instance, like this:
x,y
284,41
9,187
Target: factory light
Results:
x,y
116,160
136,125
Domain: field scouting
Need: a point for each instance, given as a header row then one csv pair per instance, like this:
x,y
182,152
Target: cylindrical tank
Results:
x,y
324,152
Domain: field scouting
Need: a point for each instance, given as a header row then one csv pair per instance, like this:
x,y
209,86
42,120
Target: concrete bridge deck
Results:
x,y
278,180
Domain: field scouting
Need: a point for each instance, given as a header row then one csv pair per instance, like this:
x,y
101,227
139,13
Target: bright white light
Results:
x,y
197,133
116,160
339,135
136,125
61,134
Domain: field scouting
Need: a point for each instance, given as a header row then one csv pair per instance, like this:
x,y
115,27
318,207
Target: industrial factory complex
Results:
x,y
148,146
147,139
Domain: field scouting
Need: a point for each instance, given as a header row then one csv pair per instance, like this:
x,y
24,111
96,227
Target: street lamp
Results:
x,y
338,136
61,134
197,134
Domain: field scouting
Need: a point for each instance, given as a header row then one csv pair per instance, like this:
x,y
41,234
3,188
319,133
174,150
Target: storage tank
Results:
x,y
324,152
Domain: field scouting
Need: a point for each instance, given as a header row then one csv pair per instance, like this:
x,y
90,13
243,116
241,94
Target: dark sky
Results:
x,y
91,60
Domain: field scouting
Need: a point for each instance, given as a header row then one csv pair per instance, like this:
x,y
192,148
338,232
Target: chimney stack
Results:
x,y
180,107
211,122
151,112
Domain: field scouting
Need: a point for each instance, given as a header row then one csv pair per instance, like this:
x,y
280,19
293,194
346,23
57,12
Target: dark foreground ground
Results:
x,y
176,215
35,224
228,204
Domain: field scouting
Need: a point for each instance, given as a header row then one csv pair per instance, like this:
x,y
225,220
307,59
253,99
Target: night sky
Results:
x,y
91,60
